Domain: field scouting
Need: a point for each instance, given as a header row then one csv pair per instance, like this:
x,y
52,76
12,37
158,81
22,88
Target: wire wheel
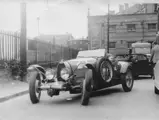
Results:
x,y
106,71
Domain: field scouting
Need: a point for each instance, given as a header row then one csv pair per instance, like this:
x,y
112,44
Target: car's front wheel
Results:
x,y
86,88
34,84
127,81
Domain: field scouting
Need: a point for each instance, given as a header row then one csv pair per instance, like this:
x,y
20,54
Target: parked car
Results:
x,y
142,48
90,71
141,64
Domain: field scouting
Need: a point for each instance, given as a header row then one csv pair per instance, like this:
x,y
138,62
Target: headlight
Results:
x,y
65,73
50,74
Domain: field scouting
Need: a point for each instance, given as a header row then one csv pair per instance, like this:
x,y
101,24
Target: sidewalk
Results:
x,y
10,88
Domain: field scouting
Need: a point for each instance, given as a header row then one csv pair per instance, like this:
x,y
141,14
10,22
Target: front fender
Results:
x,y
37,68
124,66
95,77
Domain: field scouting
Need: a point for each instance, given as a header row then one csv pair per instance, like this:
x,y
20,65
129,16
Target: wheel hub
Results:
x,y
129,79
37,88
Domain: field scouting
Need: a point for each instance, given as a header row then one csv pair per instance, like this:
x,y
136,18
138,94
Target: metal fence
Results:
x,y
38,51
9,46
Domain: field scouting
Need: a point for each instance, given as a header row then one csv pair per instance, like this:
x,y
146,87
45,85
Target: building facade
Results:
x,y
125,27
79,44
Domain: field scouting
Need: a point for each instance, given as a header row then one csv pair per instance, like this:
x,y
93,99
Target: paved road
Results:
x,y
109,104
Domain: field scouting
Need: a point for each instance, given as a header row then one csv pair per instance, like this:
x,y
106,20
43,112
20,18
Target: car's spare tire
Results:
x,y
104,69
87,88
34,84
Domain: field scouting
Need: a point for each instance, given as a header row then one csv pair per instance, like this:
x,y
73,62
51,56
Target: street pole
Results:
x,y
38,19
108,31
89,33
23,40
50,53
158,19
142,23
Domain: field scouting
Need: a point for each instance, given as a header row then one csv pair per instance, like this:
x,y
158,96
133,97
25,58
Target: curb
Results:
x,y
6,98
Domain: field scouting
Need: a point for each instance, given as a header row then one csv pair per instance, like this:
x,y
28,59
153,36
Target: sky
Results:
x,y
56,16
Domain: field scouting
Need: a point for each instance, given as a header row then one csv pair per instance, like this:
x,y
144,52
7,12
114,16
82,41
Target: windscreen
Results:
x,y
91,53
142,50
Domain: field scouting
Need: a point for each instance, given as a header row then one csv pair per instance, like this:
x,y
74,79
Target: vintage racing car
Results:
x,y
90,71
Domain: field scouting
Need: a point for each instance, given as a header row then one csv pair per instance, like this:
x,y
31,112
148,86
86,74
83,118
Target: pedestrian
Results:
x,y
155,63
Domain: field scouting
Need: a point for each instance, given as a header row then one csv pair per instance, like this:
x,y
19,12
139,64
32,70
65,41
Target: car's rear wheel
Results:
x,y
127,80
34,84
87,88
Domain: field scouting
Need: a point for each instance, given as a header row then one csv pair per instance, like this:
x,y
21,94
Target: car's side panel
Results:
x,y
80,75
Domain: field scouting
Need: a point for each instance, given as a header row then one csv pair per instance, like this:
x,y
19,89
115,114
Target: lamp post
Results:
x,y
108,30
38,19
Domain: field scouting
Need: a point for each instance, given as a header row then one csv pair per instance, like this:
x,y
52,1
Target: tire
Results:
x,y
127,80
156,91
108,66
86,88
32,87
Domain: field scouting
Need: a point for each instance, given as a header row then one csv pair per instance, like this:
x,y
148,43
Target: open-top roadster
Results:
x,y
90,71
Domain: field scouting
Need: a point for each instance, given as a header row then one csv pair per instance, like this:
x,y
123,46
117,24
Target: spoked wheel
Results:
x,y
127,81
34,85
106,71
87,88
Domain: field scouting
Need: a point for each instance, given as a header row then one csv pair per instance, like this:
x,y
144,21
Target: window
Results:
x,y
112,45
112,28
129,44
131,27
152,26
142,57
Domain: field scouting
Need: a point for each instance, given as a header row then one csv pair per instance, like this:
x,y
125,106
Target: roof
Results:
x,y
141,45
124,15
82,39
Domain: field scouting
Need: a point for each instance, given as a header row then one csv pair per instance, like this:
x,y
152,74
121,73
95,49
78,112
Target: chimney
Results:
x,y
126,6
121,8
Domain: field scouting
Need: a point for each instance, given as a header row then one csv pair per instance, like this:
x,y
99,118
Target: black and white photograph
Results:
x,y
79,59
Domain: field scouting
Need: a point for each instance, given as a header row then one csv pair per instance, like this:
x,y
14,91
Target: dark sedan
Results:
x,y
140,63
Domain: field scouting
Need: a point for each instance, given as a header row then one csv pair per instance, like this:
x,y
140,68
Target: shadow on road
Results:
x,y
106,91
77,97
144,78
68,100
